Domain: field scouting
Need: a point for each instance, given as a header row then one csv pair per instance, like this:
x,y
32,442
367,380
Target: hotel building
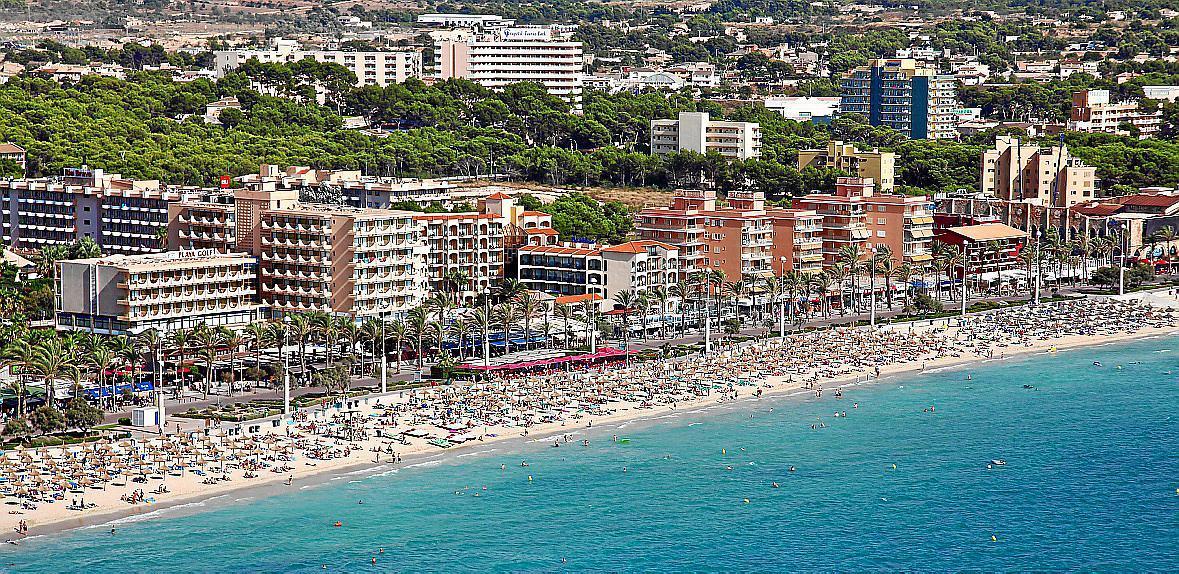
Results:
x,y
694,131
903,94
607,271
126,294
121,215
371,68
1049,176
314,257
855,215
878,165
510,55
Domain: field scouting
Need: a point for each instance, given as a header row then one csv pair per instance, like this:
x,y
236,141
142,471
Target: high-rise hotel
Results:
x,y
906,95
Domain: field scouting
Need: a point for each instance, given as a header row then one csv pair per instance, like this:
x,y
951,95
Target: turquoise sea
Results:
x,y
1090,485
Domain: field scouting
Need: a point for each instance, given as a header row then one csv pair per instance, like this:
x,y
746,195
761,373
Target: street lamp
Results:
x,y
286,368
707,319
384,357
1122,266
782,307
965,260
486,325
1036,298
872,285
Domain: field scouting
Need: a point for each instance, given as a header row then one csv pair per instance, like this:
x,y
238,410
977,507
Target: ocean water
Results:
x,y
1090,484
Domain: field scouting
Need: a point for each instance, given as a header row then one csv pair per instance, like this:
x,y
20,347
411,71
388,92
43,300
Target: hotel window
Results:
x,y
880,233
879,221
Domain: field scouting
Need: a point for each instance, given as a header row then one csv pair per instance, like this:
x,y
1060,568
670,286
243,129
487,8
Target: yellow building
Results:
x,y
878,165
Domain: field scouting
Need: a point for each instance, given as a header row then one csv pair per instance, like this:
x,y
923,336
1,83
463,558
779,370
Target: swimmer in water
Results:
x,y
774,484
791,468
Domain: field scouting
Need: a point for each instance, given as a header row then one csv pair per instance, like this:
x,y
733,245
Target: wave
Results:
x,y
694,424
478,452
426,463
1163,351
156,513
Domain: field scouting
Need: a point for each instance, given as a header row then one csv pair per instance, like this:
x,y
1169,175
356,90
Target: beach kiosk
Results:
x,y
145,417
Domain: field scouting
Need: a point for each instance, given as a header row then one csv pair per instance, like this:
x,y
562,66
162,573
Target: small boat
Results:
x,y
998,462
1096,363
1028,387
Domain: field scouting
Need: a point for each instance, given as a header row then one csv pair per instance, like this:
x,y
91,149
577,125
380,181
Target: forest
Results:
x,y
148,126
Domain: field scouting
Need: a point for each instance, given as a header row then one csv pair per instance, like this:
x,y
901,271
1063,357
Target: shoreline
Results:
x,y
415,454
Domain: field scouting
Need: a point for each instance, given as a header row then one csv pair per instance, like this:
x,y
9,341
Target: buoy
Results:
x,y
530,478
722,452
746,501
338,524
894,466
993,539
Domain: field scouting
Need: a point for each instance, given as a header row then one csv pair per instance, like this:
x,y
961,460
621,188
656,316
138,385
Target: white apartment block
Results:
x,y
514,55
694,131
125,294
371,68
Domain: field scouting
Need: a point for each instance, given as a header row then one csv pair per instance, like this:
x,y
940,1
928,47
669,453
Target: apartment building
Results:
x,y
909,96
819,110
122,215
341,260
694,131
798,241
510,55
465,252
565,270
359,262
1051,176
855,215
371,68
880,166
1092,111
127,294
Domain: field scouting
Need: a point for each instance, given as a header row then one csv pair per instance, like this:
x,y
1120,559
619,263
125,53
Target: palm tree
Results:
x,y
438,304
257,337
565,313
181,339
851,256
506,314
716,279
85,248
45,260
416,326
398,331
681,290
642,304
302,329
326,328
233,341
102,359
49,362
547,310
791,284
481,326
588,312
886,265
821,283
508,289
837,273
460,328
660,296
149,341
529,307
371,332
454,281
904,273
208,339
627,300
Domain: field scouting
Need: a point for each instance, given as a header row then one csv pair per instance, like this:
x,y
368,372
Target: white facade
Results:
x,y
371,68
1169,93
804,109
694,131
502,59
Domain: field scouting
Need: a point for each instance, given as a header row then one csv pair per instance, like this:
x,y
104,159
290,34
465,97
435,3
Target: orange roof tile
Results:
x,y
638,246
570,299
499,195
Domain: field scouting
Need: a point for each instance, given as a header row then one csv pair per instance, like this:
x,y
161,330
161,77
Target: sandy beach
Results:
x,y
368,431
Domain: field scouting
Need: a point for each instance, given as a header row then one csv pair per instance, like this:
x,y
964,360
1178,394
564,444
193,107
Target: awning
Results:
x,y
922,233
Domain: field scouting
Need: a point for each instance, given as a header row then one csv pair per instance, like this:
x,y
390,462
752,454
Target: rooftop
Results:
x,y
988,232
